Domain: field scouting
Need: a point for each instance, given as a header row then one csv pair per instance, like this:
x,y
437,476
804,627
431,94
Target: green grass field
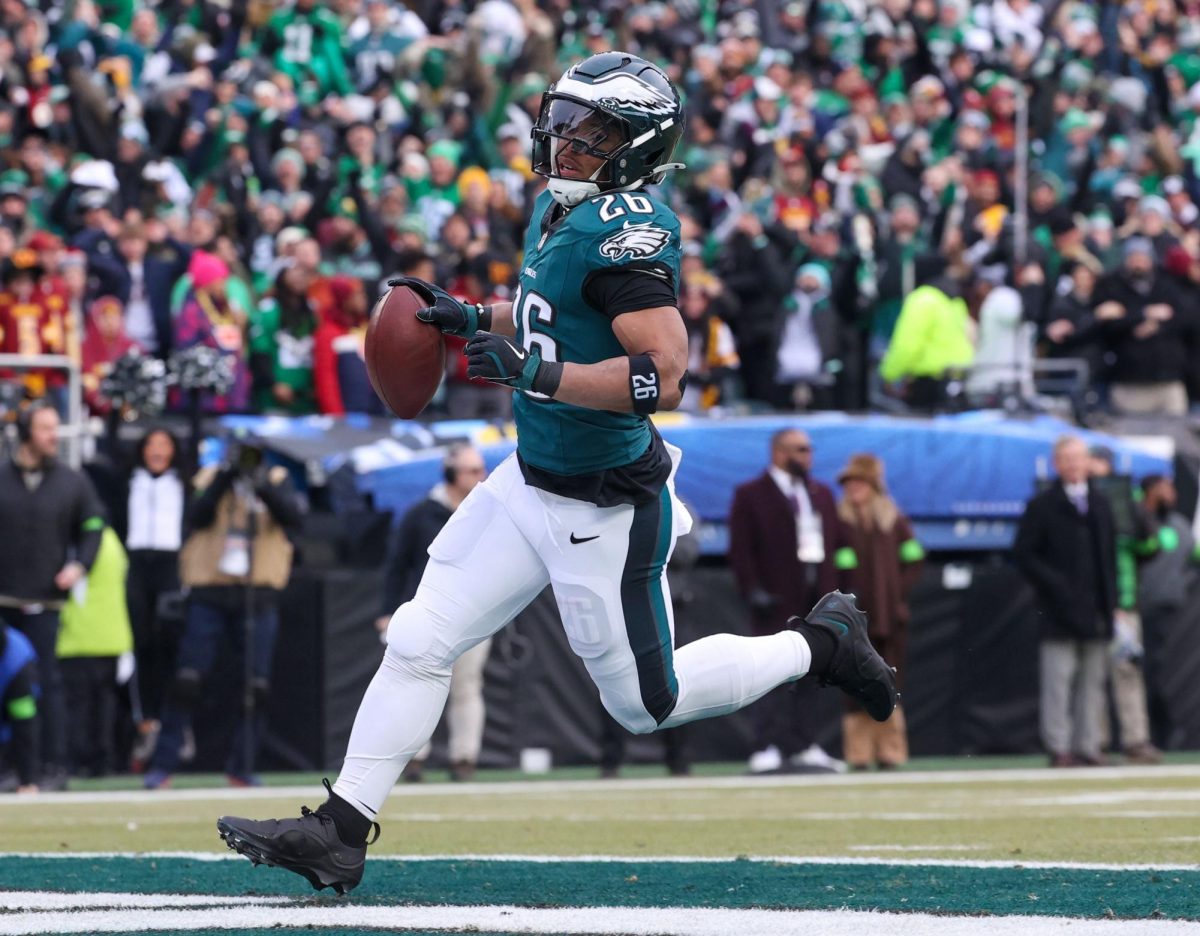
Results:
x,y
1020,844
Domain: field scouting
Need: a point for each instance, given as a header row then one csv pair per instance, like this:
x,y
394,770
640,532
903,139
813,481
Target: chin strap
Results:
x,y
572,192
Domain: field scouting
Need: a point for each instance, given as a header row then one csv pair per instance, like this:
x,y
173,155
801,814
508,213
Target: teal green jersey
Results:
x,y
376,54
610,231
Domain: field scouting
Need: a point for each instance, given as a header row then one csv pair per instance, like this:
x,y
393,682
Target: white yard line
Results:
x,y
917,848
539,787
1110,797
583,921
1148,814
659,859
48,900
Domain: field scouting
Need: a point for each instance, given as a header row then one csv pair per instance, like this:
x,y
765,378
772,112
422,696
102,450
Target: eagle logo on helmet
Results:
x,y
619,89
635,242
628,90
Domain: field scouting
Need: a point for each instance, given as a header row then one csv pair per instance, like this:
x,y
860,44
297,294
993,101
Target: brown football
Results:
x,y
405,356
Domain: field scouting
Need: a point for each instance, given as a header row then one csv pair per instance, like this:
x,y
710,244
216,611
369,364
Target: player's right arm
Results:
x,y
453,317
501,320
649,377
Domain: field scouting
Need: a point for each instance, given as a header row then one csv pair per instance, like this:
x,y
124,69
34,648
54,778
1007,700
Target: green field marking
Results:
x,y
1141,817
735,884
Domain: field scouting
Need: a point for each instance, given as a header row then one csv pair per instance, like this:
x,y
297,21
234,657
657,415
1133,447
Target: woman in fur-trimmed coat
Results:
x,y
887,564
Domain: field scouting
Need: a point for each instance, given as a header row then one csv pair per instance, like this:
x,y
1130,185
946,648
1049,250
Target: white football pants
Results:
x,y
465,713
607,566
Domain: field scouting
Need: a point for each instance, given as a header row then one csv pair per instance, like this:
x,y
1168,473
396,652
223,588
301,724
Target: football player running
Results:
x,y
592,344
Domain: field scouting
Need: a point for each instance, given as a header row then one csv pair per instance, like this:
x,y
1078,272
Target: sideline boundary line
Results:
x,y
583,921
646,859
519,787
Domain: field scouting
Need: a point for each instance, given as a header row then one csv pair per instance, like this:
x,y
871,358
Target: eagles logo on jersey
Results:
x,y
635,242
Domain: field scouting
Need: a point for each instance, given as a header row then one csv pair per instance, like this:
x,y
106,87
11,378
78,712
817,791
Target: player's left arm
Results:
x,y
647,379
650,378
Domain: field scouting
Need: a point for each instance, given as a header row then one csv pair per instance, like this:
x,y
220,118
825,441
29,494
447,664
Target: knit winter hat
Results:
x,y
1075,119
73,258
817,272
450,150
290,156
1137,245
342,287
864,467
206,269
105,304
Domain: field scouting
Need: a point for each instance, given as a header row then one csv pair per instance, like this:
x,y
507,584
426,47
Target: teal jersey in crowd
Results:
x,y
376,54
609,231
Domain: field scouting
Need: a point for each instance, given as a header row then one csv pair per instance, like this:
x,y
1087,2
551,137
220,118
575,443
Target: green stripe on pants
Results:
x,y
644,605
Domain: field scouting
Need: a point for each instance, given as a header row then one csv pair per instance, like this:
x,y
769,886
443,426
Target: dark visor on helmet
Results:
x,y
568,125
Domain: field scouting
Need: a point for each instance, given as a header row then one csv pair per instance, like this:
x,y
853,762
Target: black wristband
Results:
x,y
485,318
548,377
643,384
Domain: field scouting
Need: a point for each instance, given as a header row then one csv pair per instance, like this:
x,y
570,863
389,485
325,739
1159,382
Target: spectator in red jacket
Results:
x,y
104,341
31,320
339,365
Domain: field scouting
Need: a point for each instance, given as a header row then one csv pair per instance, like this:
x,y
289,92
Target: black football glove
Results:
x,y
501,360
444,311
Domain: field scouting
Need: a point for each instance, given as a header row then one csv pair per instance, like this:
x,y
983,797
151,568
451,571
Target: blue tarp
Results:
x,y
972,465
970,474
947,468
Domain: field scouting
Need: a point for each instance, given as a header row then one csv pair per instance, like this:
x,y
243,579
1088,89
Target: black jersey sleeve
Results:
x,y
630,287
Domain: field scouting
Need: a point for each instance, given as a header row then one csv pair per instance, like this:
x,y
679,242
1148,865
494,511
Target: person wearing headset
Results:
x,y
408,552
52,520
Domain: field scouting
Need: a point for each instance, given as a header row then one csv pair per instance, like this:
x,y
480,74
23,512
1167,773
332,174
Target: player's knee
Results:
x,y
261,689
185,690
633,718
412,638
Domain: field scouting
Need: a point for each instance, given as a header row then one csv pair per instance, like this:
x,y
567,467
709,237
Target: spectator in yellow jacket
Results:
x,y
933,340
94,637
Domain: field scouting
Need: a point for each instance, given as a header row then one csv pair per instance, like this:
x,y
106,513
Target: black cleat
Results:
x,y
855,668
309,846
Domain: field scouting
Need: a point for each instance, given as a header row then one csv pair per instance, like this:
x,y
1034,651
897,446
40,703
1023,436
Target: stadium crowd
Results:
x,y
245,175
862,221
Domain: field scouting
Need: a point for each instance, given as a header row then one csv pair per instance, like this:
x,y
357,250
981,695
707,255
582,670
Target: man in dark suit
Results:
x,y
1066,548
143,282
787,547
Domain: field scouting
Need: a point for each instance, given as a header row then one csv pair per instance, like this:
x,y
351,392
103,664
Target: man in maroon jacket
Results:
x,y
785,545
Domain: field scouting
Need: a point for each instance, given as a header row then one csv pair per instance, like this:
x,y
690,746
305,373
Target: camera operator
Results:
x,y
51,520
234,563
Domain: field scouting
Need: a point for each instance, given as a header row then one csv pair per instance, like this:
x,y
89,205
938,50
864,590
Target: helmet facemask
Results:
x,y
568,139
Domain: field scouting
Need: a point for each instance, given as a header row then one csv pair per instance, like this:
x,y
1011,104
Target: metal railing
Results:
x,y
74,427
